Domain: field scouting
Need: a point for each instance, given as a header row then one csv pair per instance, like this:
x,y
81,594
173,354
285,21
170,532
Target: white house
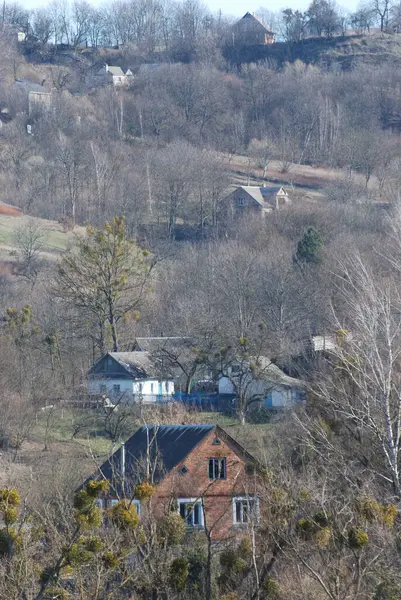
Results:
x,y
109,74
264,382
131,376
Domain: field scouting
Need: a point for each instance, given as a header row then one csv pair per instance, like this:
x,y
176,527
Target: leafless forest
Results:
x,y
135,178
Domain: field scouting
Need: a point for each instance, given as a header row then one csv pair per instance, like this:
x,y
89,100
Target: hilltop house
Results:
x,y
262,383
133,376
109,75
248,200
250,31
199,471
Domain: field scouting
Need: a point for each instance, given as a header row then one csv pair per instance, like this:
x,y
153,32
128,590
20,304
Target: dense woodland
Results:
x,y
145,170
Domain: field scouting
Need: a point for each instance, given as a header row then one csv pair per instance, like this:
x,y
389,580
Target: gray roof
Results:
x,y
26,85
272,374
115,71
262,195
138,364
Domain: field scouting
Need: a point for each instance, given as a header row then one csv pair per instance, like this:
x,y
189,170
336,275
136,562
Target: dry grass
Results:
x,y
55,239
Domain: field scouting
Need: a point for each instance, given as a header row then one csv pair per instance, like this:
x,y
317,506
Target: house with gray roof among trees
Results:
x,y
249,199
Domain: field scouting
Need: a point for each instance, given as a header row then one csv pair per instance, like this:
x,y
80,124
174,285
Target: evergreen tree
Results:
x,y
309,247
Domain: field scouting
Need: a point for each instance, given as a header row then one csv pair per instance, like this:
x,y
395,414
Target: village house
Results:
x,y
263,384
131,376
198,471
250,31
111,75
248,200
38,97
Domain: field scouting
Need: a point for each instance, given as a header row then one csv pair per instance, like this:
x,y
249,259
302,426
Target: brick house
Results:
x,y
199,471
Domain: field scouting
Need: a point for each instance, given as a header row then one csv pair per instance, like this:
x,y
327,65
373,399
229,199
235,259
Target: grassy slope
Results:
x,y
55,239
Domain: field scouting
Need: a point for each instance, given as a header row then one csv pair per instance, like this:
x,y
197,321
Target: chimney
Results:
x,y
122,461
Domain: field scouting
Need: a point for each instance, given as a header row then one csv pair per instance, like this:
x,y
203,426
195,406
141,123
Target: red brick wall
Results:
x,y
195,483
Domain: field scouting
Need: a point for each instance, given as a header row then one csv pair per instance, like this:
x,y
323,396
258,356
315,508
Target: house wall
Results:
x,y
279,397
150,387
218,495
249,32
249,204
95,386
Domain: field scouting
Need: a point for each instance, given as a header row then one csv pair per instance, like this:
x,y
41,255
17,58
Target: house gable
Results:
x,y
195,464
242,199
108,367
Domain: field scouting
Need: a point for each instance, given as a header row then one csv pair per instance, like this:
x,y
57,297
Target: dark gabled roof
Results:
x,y
139,365
250,17
166,445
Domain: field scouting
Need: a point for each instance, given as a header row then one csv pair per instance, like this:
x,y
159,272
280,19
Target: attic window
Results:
x,y
241,201
216,442
183,470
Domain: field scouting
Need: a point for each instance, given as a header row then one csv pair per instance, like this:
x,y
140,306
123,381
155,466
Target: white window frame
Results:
x,y
198,501
256,517
102,388
221,468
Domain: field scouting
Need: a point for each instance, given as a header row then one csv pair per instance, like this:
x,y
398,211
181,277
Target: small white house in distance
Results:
x,y
131,376
267,384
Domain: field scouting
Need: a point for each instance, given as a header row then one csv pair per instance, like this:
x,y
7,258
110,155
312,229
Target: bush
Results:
x,y
357,537
178,574
259,415
172,529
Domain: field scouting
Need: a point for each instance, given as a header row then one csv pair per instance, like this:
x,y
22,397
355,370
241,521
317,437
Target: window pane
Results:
x,y
216,468
223,468
196,514
238,517
182,510
211,468
245,511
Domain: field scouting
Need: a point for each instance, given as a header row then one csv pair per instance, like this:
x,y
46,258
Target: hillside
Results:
x,y
346,52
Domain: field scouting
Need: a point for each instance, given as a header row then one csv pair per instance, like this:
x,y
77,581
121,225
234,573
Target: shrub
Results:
x,y
178,573
172,529
271,589
357,537
144,491
124,515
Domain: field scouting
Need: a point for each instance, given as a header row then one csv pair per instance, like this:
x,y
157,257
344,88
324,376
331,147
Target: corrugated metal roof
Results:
x,y
165,445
